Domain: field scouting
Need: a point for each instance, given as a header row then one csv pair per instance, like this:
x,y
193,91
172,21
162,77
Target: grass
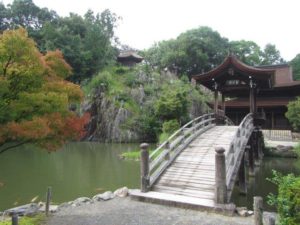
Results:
x,y
135,155
36,220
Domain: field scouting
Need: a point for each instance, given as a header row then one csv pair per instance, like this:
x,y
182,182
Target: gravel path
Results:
x,y
124,211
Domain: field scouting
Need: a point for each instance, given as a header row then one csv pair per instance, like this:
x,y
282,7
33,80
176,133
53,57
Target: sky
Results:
x,y
146,22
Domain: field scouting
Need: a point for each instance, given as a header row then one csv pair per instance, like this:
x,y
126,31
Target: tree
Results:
x,y
86,42
293,113
271,55
190,53
34,97
246,51
173,103
295,63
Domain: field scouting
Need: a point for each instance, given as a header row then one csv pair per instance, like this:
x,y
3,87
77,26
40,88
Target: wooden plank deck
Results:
x,y
191,177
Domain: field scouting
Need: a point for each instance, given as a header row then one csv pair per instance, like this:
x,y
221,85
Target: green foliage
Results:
x,y
142,91
288,199
170,126
190,53
293,113
202,49
86,42
36,220
295,63
271,55
173,103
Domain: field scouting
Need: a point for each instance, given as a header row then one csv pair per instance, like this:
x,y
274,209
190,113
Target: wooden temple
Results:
x,y
129,58
264,91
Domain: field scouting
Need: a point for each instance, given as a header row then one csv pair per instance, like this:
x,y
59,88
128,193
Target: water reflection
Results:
x,y
259,186
79,169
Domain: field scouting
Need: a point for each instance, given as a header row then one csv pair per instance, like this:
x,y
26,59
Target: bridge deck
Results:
x,y
192,174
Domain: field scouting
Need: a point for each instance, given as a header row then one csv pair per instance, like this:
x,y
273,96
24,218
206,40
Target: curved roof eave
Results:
x,y
232,60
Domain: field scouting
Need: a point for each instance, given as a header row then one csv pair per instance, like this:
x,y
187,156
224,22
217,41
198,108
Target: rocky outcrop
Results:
x,y
107,120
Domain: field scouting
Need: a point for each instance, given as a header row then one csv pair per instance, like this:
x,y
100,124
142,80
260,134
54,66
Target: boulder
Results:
x,y
284,151
24,210
242,211
121,192
65,205
52,208
81,201
104,196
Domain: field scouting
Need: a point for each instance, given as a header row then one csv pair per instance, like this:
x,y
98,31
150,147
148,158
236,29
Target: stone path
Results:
x,y
124,211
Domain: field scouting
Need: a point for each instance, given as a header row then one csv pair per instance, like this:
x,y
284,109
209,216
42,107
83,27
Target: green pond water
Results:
x,y
86,168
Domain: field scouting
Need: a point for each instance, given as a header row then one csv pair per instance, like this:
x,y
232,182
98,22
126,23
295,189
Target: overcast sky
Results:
x,y
146,22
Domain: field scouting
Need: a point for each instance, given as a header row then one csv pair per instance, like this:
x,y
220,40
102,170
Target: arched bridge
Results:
x,y
200,163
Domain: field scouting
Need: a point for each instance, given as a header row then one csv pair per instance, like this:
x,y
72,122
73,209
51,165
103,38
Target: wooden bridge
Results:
x,y
198,166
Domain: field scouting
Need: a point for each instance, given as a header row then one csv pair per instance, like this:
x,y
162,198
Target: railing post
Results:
x,y
258,210
14,219
167,147
48,200
220,176
144,167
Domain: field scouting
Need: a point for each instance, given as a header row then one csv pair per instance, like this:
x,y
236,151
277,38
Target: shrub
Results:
x,y
287,201
293,113
170,126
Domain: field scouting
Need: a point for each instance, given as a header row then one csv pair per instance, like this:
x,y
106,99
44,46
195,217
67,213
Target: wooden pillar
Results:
x,y
254,100
242,177
216,102
223,104
258,210
272,120
220,177
144,167
251,98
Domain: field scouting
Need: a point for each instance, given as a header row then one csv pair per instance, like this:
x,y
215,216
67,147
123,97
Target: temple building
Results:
x,y
129,58
264,91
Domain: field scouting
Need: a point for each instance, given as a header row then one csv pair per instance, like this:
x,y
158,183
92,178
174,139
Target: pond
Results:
x,y
87,168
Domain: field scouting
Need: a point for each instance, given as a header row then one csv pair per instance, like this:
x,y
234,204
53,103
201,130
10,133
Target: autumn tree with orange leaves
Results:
x,y
34,95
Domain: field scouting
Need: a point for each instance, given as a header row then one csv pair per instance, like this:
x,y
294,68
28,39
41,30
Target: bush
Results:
x,y
293,113
170,126
287,201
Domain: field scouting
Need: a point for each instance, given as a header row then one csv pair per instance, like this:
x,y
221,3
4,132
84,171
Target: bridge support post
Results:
x,y
144,167
251,159
242,177
256,147
220,176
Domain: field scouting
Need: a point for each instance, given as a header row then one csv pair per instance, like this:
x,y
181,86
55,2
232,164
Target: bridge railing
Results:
x,y
236,149
164,155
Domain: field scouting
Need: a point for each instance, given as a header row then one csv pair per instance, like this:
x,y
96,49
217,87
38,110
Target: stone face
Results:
x,y
121,192
104,196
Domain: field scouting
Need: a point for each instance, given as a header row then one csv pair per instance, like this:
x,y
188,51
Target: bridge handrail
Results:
x,y
164,155
237,147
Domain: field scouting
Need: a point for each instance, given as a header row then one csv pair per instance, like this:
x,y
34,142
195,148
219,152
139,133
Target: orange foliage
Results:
x,y
56,65
49,131
36,128
72,90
